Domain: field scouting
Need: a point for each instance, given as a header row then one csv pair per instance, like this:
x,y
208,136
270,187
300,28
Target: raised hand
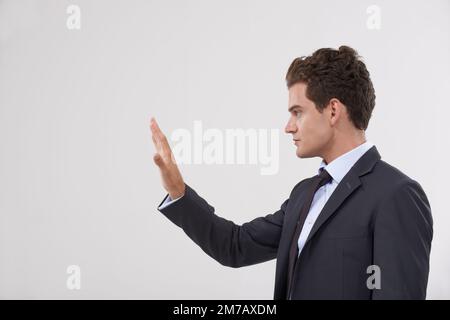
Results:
x,y
171,177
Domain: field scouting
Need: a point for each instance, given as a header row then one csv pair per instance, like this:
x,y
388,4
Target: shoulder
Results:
x,y
390,179
397,188
382,168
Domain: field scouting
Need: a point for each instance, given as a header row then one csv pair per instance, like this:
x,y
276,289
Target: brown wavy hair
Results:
x,y
329,73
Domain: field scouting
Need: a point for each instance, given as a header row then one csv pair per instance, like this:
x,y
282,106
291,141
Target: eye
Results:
x,y
298,114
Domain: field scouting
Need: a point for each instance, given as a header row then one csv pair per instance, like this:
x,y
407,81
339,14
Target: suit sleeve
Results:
x,y
403,231
230,244
168,201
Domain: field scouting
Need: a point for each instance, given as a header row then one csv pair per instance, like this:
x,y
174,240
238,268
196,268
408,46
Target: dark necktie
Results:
x,y
317,182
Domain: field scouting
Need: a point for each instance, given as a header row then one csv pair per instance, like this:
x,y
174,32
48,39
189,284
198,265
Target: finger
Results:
x,y
154,126
161,137
156,131
155,141
155,135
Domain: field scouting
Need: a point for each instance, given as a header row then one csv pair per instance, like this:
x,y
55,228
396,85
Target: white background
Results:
x,y
77,181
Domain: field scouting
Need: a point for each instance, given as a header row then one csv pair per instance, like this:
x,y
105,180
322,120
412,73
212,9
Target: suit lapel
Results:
x,y
346,187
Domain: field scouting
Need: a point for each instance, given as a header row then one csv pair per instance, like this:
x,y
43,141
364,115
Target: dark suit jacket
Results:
x,y
376,216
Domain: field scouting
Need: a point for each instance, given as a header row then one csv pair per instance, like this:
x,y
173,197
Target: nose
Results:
x,y
291,127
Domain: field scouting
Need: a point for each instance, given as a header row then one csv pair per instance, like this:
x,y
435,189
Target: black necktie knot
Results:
x,y
324,178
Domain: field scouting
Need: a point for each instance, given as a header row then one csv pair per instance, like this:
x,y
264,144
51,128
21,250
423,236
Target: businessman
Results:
x,y
358,229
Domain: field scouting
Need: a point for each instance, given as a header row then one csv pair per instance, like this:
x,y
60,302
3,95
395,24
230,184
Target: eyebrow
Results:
x,y
295,106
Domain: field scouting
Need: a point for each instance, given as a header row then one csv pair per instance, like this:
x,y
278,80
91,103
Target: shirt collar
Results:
x,y
339,167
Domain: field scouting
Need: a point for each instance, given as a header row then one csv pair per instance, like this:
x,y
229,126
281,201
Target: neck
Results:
x,y
343,145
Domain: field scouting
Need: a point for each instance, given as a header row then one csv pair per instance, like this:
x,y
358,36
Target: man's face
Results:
x,y
310,128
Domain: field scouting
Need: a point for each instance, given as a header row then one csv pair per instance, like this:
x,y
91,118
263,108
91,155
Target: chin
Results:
x,y
303,154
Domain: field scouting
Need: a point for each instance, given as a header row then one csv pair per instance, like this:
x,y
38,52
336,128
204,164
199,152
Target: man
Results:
x,y
359,229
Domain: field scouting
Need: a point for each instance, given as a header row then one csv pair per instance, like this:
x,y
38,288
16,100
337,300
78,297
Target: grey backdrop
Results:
x,y
77,182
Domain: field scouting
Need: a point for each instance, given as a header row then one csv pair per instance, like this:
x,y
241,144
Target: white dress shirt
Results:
x,y
337,169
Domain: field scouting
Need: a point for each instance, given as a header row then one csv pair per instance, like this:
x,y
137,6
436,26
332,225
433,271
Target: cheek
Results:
x,y
313,128
305,127
323,130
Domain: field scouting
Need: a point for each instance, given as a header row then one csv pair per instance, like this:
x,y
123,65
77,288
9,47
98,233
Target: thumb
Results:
x,y
158,160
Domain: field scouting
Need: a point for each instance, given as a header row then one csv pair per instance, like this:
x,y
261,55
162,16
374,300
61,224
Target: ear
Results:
x,y
336,110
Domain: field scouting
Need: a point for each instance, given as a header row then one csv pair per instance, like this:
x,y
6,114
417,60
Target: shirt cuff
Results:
x,y
168,201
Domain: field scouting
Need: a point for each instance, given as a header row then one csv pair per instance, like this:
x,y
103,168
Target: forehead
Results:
x,y
297,95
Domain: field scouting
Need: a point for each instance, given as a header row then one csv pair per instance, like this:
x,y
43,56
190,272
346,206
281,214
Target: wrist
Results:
x,y
177,193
